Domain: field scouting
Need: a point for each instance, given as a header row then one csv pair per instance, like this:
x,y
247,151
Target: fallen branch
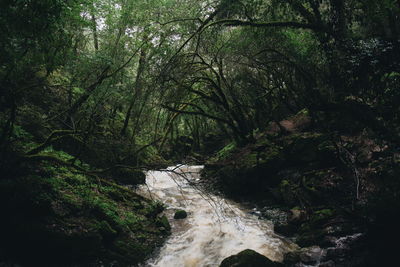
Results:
x,y
51,138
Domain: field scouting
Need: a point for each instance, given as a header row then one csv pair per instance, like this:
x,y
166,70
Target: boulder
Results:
x,y
248,258
309,256
180,214
297,216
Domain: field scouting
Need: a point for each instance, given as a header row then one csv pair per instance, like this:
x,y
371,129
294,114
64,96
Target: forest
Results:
x,y
290,105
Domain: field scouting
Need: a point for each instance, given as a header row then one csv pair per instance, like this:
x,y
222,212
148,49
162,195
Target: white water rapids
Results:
x,y
214,228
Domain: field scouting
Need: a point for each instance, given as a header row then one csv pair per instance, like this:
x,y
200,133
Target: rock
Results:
x,y
275,215
296,216
180,214
327,264
249,258
291,258
309,255
163,222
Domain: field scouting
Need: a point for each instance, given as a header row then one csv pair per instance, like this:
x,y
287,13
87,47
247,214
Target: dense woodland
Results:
x,y
292,104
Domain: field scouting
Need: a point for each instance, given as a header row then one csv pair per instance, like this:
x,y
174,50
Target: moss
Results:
x,y
309,184
57,210
285,183
154,208
321,216
180,214
250,160
164,223
327,146
247,258
224,153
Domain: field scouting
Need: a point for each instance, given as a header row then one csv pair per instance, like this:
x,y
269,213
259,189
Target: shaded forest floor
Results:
x,y
63,198
53,215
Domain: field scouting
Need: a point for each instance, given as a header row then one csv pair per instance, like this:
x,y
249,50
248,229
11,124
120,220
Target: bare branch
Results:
x,y
284,24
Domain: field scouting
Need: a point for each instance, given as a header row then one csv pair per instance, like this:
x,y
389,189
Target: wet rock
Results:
x,y
327,264
291,258
337,230
255,212
334,253
248,258
343,247
297,216
180,214
275,215
309,255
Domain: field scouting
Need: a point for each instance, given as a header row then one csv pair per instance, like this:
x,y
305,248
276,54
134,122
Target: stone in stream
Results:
x,y
180,214
310,256
249,258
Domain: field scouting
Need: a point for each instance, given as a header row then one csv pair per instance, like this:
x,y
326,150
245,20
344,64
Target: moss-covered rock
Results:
x,y
308,256
238,171
248,258
281,164
180,214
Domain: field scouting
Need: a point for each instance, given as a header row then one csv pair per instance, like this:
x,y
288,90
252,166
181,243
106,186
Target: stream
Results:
x,y
215,227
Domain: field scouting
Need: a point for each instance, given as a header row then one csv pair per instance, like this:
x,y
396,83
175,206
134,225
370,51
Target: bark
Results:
x,y
137,89
94,30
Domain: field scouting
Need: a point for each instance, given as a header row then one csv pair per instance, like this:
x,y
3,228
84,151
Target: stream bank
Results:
x,y
330,186
53,215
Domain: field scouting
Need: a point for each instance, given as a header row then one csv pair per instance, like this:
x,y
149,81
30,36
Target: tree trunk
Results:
x,y
94,30
137,89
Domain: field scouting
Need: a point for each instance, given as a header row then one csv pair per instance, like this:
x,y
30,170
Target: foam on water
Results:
x,y
214,228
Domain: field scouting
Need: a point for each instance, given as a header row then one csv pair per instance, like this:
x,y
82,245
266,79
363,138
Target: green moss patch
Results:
x,y
248,258
55,216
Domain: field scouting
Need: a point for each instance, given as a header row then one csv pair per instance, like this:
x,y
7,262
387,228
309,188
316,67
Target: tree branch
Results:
x,y
284,24
50,139
201,114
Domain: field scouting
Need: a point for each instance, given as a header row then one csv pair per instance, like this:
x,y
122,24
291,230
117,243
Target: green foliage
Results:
x,y
20,133
225,152
134,81
163,222
72,209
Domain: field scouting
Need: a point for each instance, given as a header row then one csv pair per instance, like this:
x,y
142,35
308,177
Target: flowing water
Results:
x,y
214,229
